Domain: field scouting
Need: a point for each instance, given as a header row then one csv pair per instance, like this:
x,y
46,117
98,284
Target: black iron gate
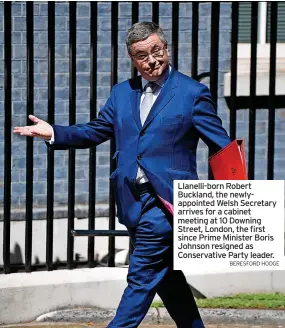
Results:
x,y
234,104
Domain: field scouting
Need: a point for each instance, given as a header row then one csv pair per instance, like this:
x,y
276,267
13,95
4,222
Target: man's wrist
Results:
x,y
51,140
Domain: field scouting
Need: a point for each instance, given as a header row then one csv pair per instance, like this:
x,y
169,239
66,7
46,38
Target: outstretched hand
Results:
x,y
40,129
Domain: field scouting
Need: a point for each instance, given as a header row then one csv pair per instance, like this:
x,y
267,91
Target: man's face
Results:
x,y
150,57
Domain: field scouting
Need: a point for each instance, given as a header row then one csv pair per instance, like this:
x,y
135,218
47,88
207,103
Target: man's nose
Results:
x,y
151,60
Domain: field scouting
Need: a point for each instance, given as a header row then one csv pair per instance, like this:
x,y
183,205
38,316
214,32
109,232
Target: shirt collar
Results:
x,y
161,81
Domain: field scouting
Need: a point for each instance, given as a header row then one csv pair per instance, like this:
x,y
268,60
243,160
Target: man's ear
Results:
x,y
131,58
166,47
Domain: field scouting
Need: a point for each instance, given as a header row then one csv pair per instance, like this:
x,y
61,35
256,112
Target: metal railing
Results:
x,y
213,74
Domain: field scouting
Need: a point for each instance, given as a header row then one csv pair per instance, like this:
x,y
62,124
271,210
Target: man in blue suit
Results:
x,y
156,120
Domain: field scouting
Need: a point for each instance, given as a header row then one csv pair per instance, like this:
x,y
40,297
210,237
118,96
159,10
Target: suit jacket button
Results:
x,y
142,133
139,157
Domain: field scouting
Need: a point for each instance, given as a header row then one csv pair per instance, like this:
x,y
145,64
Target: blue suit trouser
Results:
x,y
151,270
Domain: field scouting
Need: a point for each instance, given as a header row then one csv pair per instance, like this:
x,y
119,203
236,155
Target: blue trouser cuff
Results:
x,y
197,324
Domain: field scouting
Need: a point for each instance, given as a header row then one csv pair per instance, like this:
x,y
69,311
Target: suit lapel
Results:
x,y
164,97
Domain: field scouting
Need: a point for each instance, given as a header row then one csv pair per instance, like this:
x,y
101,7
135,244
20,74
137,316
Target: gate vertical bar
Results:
x,y
93,115
214,60
72,120
30,111
272,85
155,12
135,12
175,33
234,45
252,109
195,31
50,154
135,19
7,133
114,79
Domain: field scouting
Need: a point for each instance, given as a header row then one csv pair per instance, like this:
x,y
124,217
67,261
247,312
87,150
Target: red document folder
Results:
x,y
229,163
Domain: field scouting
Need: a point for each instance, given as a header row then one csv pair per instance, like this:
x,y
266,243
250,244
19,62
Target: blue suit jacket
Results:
x,y
165,146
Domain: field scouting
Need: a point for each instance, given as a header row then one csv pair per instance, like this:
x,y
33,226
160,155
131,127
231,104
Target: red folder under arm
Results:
x,y
229,163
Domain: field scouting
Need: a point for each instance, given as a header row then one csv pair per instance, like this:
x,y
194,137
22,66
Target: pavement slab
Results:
x,y
103,325
160,316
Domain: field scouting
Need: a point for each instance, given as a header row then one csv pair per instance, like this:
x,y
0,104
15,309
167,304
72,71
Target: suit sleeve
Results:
x,y
86,135
207,122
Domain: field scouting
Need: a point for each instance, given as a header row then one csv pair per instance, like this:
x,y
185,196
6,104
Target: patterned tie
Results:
x,y
147,101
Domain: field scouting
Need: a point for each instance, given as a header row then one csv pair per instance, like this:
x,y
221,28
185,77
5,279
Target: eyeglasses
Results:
x,y
143,57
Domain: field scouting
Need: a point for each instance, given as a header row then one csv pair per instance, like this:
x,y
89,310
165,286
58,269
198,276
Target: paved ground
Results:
x,y
84,325
102,325
158,318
